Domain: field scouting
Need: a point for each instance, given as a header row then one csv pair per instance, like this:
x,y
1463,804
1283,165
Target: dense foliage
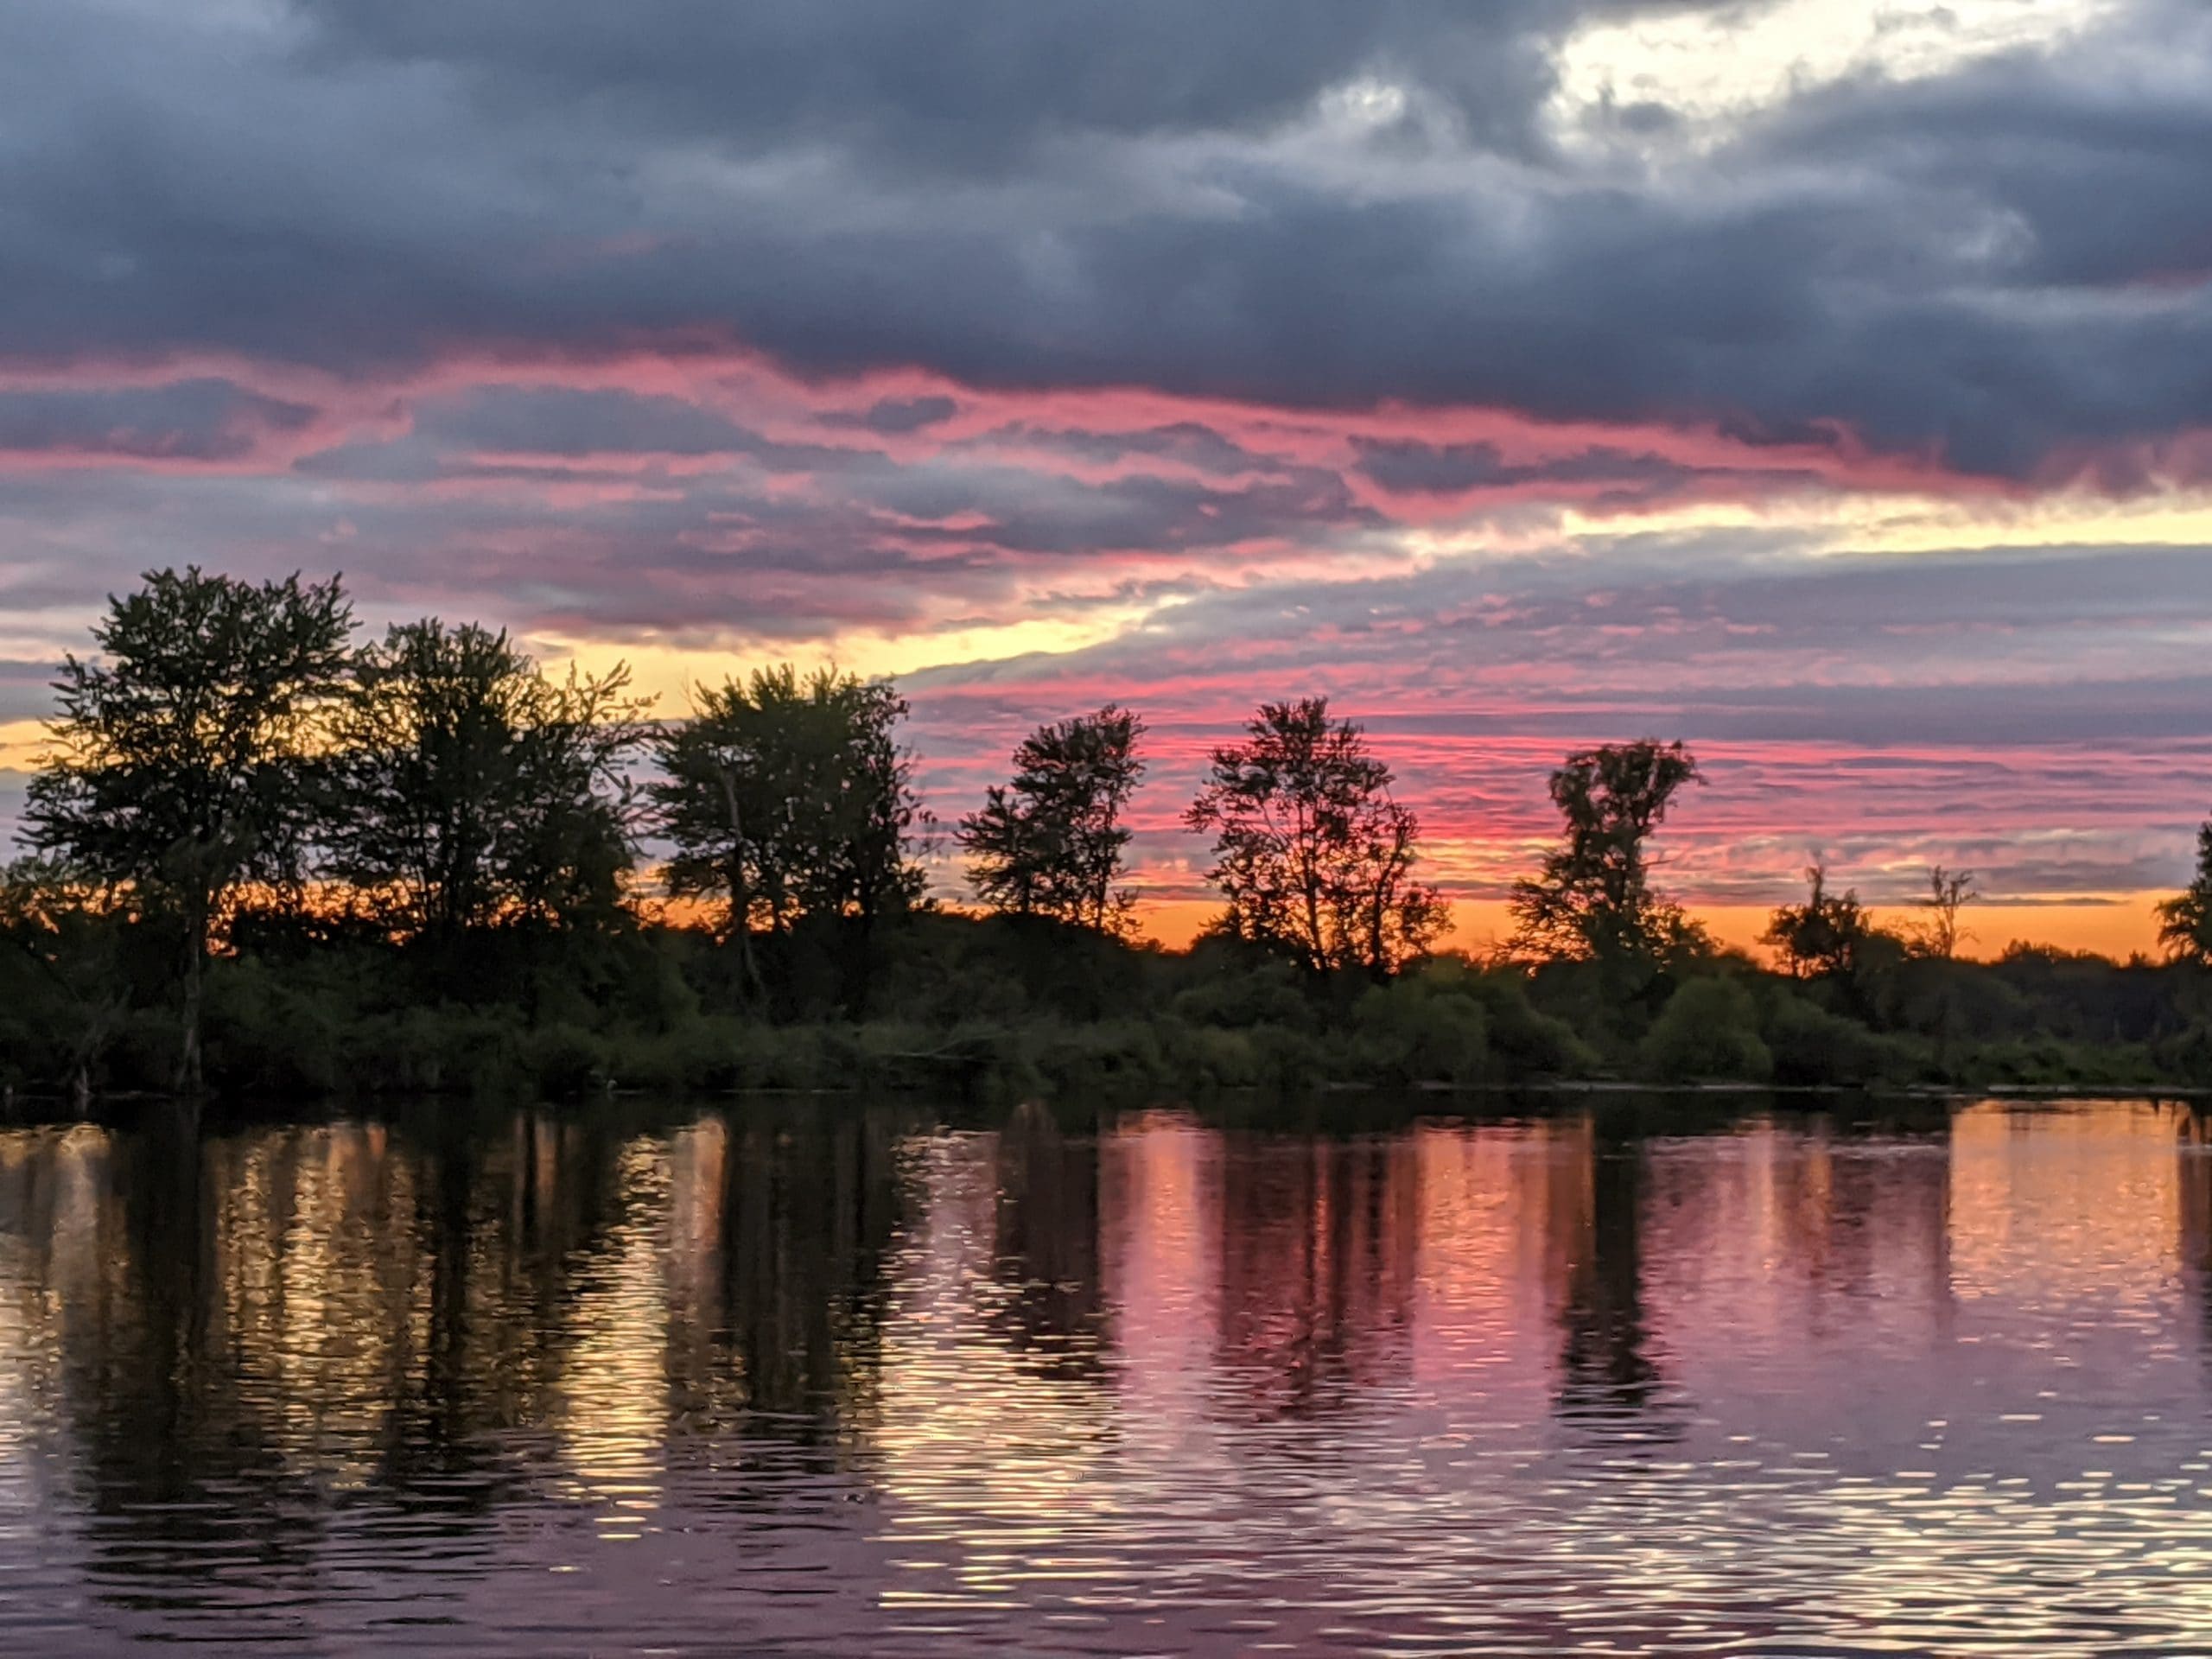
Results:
x,y
1593,897
295,865
1311,852
182,762
473,789
787,805
1050,843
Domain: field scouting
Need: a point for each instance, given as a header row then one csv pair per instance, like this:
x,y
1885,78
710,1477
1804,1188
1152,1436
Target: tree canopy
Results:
x,y
1050,843
786,797
2185,919
245,823
1312,855
1592,898
1825,936
474,789
180,760
1949,892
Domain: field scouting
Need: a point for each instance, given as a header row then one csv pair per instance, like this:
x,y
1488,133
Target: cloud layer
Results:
x,y
1826,382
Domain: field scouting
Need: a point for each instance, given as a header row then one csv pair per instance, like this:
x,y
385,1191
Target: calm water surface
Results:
x,y
816,1379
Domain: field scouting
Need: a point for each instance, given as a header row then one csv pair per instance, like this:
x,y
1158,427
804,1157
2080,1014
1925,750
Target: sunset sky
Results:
x,y
1827,383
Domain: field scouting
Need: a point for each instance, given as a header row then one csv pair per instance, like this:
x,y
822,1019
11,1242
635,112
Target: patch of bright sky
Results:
x,y
1830,523
669,671
1711,65
1913,524
1827,524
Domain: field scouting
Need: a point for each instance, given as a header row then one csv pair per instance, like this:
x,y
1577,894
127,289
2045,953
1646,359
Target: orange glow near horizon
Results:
x,y
2119,927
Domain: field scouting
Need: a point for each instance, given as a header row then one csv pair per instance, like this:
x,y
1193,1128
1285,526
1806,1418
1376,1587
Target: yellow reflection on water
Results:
x,y
952,1384
610,1401
316,1302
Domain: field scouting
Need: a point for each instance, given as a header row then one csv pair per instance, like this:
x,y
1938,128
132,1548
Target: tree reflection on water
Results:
x,y
330,1378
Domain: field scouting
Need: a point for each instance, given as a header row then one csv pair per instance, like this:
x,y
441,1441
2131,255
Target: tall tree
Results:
x,y
472,788
1949,892
2185,920
1310,851
179,763
786,797
1824,937
1050,843
1593,897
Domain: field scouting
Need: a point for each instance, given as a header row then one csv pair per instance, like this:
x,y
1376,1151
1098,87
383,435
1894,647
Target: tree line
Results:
x,y
233,771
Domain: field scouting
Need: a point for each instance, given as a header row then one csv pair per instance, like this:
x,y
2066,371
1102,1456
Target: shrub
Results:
x,y
1707,1031
565,1063
1524,1042
1417,1031
1266,994
267,1034
1811,1047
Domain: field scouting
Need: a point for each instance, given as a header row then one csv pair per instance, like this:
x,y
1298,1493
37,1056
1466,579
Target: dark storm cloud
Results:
x,y
1406,465
580,424
2043,142
893,418
193,420
956,84
1998,263
1186,443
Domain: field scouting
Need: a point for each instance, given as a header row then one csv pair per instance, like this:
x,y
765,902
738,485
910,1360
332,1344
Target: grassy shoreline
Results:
x,y
995,1007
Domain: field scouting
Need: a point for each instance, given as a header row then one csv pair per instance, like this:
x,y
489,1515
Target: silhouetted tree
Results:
x,y
69,990
1050,843
472,789
1310,851
1949,892
1594,898
2185,920
1825,936
180,761
786,797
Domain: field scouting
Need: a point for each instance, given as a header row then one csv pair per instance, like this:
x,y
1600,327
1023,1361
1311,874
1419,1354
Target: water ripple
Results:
x,y
807,1378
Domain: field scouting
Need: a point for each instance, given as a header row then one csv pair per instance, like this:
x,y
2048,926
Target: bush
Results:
x,y
1244,994
1111,1057
1420,1030
1524,1042
1707,1033
266,1033
564,1063
1813,1047
2049,1063
2188,1054
1212,1056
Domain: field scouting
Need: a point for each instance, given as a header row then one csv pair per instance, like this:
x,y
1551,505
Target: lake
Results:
x,y
855,1379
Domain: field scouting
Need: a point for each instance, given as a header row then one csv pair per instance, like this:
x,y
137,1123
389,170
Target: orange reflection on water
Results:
x,y
2054,1204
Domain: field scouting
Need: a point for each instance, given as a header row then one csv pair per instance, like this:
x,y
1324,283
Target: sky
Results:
x,y
1826,383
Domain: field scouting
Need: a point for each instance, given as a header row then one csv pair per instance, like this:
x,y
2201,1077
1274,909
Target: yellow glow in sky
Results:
x,y
1713,63
669,672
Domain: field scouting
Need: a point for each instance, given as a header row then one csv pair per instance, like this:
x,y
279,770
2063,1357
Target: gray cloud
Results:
x,y
202,420
1405,465
1188,443
897,416
1719,639
961,85
1988,263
